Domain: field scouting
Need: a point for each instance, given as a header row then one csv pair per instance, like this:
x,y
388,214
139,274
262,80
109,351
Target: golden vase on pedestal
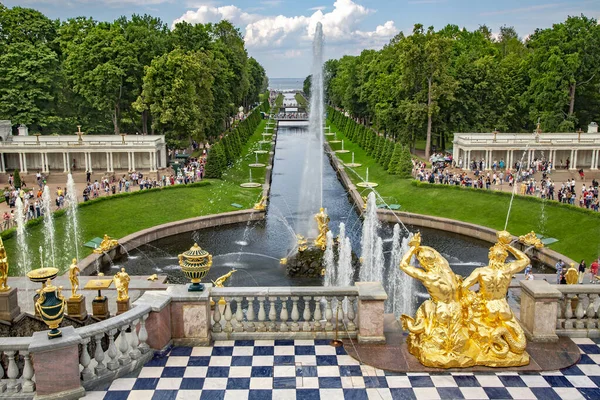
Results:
x,y
51,307
195,264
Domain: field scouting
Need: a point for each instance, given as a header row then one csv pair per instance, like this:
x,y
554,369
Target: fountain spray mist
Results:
x,y
331,275
23,265
72,222
400,284
48,225
369,270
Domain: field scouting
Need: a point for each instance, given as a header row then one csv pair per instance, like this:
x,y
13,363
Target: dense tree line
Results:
x,y
130,75
434,83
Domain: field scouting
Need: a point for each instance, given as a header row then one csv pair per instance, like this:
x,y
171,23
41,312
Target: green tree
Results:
x,y
404,166
395,159
17,179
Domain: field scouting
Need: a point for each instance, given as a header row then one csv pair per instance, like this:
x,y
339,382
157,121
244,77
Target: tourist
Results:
x,y
593,271
88,176
581,271
529,276
6,217
563,279
559,269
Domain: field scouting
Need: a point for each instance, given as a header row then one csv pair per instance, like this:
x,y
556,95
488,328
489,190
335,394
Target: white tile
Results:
x,y
186,395
521,393
264,343
347,360
568,393
535,381
306,360
169,384
398,382
307,382
595,358
243,351
589,369
475,393
442,381
122,384
195,372
328,370
175,361
262,361
240,372
367,370
552,373
581,381
94,396
582,341
347,382
358,382
489,381
236,394
284,394
379,394
140,394
284,350
224,343
301,342
331,394
325,350
426,393
215,383
259,383
219,361
151,372
281,371
202,351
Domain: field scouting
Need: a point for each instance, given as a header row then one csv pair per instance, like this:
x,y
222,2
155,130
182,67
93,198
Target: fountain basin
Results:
x,y
352,165
367,184
342,151
261,151
251,185
256,165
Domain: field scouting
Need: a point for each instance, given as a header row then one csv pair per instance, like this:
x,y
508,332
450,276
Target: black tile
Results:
x,y
164,395
350,370
308,394
222,351
244,343
192,384
557,381
262,372
173,372
145,383
181,351
420,381
284,342
283,360
260,395
466,381
512,381
497,393
198,361
241,361
217,372
116,395
590,348
304,350
284,383
330,383
263,350
355,394
545,393
450,393
403,394
238,383
212,395
327,360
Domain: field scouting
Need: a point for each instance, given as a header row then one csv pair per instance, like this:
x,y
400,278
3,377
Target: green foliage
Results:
x,y
404,166
17,179
395,160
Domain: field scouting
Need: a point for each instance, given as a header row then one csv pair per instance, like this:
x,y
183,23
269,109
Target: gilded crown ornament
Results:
x,y
195,264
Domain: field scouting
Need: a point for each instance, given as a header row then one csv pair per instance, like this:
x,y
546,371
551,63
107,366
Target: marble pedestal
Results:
x,y
76,307
123,306
9,305
100,308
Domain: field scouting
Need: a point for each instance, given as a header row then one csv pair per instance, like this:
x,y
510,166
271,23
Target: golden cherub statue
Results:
x,y
531,239
261,205
323,224
106,245
3,268
458,327
74,278
122,284
302,242
572,275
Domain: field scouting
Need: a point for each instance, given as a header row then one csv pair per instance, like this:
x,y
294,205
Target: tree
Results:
x,y
395,160
306,86
17,179
215,163
405,165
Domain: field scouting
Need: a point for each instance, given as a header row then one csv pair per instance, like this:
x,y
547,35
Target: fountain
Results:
x,y
250,184
342,150
335,139
366,183
369,270
72,231
352,164
330,272
46,208
260,150
400,284
256,164
22,248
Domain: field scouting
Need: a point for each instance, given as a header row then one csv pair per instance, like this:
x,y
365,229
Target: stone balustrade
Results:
x,y
16,368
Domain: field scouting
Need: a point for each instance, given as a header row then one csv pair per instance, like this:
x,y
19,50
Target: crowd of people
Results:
x,y
582,269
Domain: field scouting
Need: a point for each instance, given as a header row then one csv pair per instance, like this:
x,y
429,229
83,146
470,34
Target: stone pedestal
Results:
x,y
190,316
371,299
539,307
100,308
9,305
123,306
76,307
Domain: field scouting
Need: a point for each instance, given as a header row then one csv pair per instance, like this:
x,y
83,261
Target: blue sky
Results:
x,y
278,32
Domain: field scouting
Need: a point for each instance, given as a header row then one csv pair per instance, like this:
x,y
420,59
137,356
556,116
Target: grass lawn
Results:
x,y
578,231
301,101
119,216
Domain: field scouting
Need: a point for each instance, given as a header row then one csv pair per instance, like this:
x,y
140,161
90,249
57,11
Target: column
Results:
x,y
68,161
65,162
468,160
571,159
107,161
595,153
112,168
42,163
575,159
129,161
150,161
47,163
90,161
25,162
133,160
86,162
2,163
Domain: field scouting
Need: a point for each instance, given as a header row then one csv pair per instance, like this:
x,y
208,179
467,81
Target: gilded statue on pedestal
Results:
x,y
74,278
323,224
3,268
461,328
106,245
122,284
531,239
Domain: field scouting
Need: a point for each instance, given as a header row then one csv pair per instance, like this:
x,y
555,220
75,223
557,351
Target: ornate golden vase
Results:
x,y
51,307
195,264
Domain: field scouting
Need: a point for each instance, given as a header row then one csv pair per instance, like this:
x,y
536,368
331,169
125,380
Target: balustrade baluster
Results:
x,y
84,360
239,314
569,311
283,316
560,313
217,318
2,384
591,312
262,315
306,314
350,314
228,315
295,314
339,313
317,317
250,315
12,372
272,314
580,311
99,355
134,352
328,314
124,346
28,384
112,352
143,335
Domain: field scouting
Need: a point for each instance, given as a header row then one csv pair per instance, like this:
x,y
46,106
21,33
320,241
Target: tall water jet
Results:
x,y
22,248
331,275
368,241
345,269
400,284
72,231
378,261
46,208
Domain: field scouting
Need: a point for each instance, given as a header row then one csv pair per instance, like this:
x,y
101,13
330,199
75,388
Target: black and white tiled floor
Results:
x,y
311,369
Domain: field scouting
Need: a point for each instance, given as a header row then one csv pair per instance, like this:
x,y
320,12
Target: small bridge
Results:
x,y
293,116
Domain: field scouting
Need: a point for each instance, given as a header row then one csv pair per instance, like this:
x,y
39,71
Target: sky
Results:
x,y
278,33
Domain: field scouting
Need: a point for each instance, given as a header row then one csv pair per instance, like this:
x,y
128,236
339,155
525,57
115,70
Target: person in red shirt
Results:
x,y
594,271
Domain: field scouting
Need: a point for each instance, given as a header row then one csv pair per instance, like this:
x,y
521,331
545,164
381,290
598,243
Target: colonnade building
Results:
x,y
581,149
66,153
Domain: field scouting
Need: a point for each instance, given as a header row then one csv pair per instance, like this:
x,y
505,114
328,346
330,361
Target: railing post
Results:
x,y
371,299
190,315
56,365
539,310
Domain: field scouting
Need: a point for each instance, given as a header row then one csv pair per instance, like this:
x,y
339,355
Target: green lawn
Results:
x,y
301,101
121,215
578,231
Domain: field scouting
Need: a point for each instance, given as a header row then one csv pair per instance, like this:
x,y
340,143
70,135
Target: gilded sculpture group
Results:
x,y
458,327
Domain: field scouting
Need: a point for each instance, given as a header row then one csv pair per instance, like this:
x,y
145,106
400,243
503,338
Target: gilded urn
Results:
x,y
51,307
195,264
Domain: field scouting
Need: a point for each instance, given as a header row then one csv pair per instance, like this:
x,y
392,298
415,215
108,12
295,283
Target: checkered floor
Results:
x,y
311,369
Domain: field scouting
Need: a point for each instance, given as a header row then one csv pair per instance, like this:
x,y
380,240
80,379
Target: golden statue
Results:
x,y
106,245
3,268
219,283
323,224
302,243
531,239
122,284
458,327
262,204
74,278
152,277
572,275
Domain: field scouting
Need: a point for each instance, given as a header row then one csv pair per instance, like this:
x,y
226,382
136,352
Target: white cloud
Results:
x,y
207,13
317,8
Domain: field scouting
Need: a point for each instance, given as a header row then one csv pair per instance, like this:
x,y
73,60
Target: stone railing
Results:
x,y
549,311
16,368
